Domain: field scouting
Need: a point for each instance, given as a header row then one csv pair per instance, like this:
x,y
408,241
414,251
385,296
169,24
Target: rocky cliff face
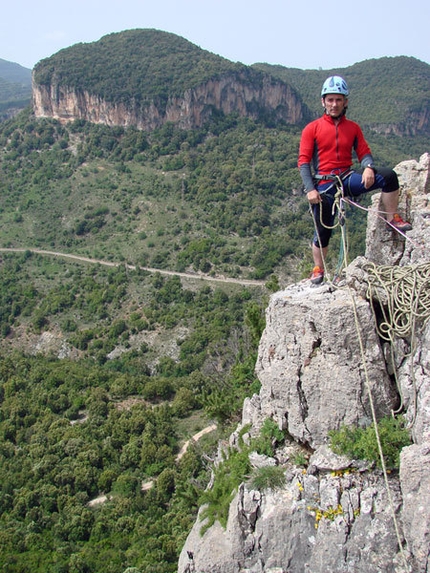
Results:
x,y
322,363
418,123
231,93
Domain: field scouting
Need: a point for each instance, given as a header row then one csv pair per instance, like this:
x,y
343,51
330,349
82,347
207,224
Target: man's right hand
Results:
x,y
313,197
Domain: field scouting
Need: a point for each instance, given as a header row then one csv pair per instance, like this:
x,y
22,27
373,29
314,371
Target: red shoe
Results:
x,y
398,223
317,276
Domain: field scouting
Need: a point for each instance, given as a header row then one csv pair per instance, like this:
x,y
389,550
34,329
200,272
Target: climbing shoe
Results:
x,y
317,276
398,223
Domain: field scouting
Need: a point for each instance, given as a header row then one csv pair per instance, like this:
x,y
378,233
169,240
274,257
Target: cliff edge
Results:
x,y
231,93
325,360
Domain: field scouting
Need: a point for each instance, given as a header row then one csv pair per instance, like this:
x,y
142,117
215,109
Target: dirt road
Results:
x,y
201,276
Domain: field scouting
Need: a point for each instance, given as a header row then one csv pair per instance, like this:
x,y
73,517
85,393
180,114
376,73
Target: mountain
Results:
x,y
15,88
115,113
147,78
15,73
387,95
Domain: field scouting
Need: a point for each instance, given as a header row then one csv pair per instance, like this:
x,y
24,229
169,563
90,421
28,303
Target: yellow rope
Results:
x,y
378,439
405,293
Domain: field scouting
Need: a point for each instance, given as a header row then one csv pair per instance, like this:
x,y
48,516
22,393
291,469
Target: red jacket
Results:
x,y
328,147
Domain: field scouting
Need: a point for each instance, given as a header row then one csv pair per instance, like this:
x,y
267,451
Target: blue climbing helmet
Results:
x,y
335,85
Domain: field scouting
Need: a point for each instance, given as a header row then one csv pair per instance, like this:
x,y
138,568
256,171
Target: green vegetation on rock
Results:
x,y
362,443
135,67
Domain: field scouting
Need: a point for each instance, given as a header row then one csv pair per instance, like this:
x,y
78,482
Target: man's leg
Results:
x,y
319,255
387,181
390,203
323,218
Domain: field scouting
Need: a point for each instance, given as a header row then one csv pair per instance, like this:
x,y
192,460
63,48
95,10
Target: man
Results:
x,y
326,146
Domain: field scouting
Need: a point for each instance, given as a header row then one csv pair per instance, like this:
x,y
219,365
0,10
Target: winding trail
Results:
x,y
245,282
149,484
146,485
195,438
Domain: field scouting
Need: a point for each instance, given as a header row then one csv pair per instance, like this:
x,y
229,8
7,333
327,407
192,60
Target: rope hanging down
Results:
x,y
338,205
404,298
407,296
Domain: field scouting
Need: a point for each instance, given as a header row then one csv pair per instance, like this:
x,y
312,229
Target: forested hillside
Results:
x,y
106,372
224,199
215,200
88,442
15,87
136,65
386,94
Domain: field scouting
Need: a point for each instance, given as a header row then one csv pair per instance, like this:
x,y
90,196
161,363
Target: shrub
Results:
x,y
268,477
361,443
270,437
235,469
228,476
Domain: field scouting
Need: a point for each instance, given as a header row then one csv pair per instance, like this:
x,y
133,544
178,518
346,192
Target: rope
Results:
x,y
339,201
403,295
375,426
378,439
379,213
407,294
405,291
338,205
344,247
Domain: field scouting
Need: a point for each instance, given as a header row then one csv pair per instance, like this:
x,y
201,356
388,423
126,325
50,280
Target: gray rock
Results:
x,y
260,460
325,460
340,523
309,363
415,484
387,248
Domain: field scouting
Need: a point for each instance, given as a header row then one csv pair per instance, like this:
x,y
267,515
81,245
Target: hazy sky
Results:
x,y
303,34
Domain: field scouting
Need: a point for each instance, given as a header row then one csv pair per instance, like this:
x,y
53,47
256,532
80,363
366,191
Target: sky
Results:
x,y
303,34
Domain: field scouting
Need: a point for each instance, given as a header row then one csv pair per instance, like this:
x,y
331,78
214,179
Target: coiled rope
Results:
x,y
406,299
403,294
